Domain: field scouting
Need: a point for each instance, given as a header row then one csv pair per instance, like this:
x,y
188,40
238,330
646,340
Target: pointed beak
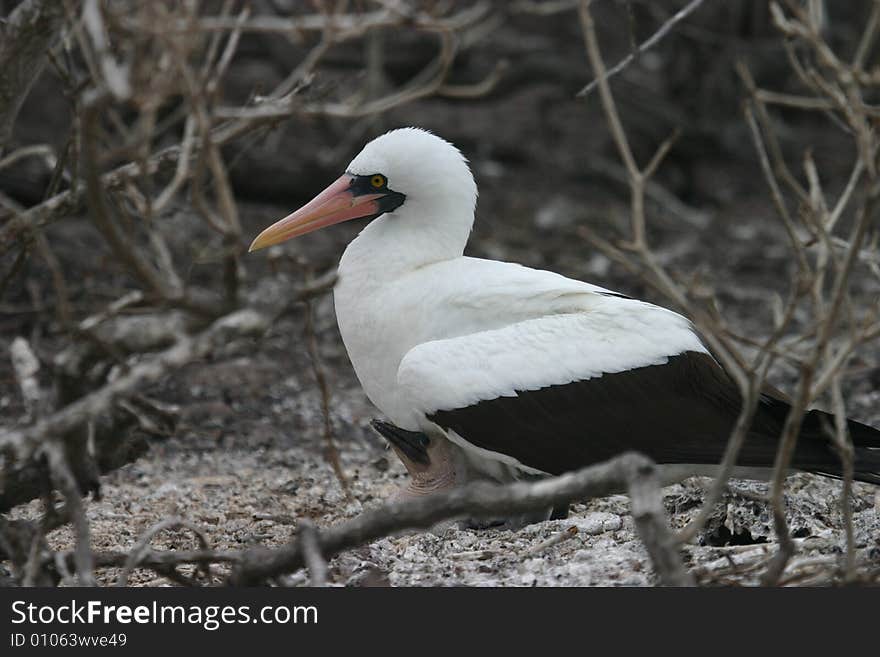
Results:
x,y
334,205
411,446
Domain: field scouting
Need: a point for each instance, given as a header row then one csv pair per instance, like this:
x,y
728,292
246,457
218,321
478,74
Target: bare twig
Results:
x,y
123,248
869,37
161,559
69,201
44,151
781,207
66,483
140,549
26,367
844,444
554,540
330,450
820,222
309,541
25,442
645,263
652,41
488,500
26,35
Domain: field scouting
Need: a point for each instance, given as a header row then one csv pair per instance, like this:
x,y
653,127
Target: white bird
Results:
x,y
497,370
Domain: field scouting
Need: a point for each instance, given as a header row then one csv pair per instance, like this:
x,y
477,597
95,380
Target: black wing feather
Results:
x,y
679,412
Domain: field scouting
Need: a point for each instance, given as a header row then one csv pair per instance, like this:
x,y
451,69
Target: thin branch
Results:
x,y
43,151
869,36
140,549
553,541
844,444
309,543
332,454
27,34
65,482
652,41
482,499
781,207
26,367
24,442
611,115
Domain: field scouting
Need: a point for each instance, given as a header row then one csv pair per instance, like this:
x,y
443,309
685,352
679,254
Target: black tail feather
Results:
x,y
865,440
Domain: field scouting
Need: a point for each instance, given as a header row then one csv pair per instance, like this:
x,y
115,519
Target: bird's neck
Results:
x,y
397,243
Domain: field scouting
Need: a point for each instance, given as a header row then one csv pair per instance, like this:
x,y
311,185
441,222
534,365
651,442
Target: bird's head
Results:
x,y
432,462
406,169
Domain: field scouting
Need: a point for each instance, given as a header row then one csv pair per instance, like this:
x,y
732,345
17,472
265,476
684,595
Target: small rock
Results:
x,y
166,489
597,522
353,508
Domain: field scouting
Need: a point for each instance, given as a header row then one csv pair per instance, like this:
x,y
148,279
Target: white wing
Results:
x,y
613,335
559,392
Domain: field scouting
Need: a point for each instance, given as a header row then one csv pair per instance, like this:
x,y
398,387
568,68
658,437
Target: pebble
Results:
x,y
597,522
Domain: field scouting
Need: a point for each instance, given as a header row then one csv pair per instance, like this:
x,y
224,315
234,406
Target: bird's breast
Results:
x,y
378,326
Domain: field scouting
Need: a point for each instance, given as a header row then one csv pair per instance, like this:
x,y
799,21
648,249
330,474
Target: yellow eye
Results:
x,y
377,181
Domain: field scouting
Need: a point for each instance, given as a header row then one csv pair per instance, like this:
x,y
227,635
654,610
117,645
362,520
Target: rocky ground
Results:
x,y
242,496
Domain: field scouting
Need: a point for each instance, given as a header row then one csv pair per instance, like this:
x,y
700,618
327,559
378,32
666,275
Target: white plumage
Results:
x,y
427,328
439,340
607,336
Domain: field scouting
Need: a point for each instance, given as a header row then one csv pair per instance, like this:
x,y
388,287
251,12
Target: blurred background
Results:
x,y
154,140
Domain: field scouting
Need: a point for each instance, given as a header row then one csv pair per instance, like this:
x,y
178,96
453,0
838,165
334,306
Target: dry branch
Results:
x,y
279,105
202,125
629,471
331,452
25,37
27,441
65,482
639,258
26,367
834,87
137,76
649,43
142,548
307,535
71,201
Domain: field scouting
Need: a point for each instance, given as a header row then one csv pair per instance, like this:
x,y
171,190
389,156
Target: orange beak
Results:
x,y
334,205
